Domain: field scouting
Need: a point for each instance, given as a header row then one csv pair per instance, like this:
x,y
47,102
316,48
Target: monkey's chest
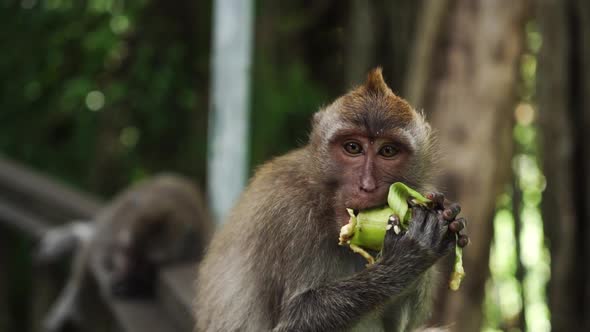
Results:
x,y
372,322
390,317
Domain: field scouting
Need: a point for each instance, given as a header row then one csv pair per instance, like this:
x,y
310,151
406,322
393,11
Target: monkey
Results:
x,y
275,264
157,221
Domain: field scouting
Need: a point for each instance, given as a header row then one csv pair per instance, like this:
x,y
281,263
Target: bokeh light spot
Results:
x,y
129,136
119,24
524,114
95,100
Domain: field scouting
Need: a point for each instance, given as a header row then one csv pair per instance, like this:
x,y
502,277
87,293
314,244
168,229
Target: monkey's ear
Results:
x,y
375,82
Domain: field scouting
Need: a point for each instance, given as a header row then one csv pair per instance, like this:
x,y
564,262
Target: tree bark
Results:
x,y
563,91
380,33
583,8
469,95
361,46
422,58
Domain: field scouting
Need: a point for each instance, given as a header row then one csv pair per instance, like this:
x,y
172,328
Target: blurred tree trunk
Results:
x,y
563,91
361,45
469,91
399,22
380,33
430,22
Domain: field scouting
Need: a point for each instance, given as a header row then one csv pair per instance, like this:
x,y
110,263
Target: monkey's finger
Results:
x,y
457,225
451,212
437,199
392,235
394,224
448,244
446,239
463,241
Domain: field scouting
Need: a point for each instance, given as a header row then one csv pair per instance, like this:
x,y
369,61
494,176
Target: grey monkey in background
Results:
x,y
158,221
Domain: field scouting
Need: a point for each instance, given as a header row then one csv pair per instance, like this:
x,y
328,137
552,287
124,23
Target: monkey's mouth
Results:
x,y
344,218
365,202
360,201
356,209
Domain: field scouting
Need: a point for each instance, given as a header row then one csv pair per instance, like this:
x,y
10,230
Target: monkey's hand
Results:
x,y
449,212
431,234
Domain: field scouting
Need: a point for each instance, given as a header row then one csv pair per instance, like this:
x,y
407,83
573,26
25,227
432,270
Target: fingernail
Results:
x,y
394,219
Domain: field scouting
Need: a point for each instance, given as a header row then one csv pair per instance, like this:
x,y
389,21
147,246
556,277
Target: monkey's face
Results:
x,y
365,166
371,138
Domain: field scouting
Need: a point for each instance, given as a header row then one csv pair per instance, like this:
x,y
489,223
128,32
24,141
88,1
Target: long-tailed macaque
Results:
x,y
155,222
276,264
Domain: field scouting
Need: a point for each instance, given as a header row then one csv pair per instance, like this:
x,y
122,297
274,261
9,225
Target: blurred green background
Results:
x,y
102,93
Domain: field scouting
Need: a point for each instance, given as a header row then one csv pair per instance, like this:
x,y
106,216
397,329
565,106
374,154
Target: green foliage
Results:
x,y
100,92
283,102
519,243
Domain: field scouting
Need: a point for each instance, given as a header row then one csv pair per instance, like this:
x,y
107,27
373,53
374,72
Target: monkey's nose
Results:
x,y
368,184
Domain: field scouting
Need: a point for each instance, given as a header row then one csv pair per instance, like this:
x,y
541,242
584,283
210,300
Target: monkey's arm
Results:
x,y
62,240
66,306
339,304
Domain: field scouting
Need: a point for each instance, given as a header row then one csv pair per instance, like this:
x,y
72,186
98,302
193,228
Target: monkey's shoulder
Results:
x,y
288,175
295,163
281,197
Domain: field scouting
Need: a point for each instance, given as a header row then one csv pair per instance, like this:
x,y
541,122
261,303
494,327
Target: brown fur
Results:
x,y
376,94
276,264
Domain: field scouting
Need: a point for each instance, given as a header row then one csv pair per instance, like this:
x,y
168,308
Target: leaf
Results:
x,y
397,200
458,271
370,228
347,231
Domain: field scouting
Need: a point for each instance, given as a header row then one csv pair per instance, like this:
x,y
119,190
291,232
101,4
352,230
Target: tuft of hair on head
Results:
x,y
375,82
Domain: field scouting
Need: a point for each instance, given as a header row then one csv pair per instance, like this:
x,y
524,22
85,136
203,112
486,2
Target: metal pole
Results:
x,y
230,90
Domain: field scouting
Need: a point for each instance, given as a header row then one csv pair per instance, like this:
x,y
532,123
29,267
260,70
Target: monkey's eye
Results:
x,y
388,151
353,148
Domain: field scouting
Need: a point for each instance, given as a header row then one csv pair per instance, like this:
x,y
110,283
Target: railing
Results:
x,y
31,203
